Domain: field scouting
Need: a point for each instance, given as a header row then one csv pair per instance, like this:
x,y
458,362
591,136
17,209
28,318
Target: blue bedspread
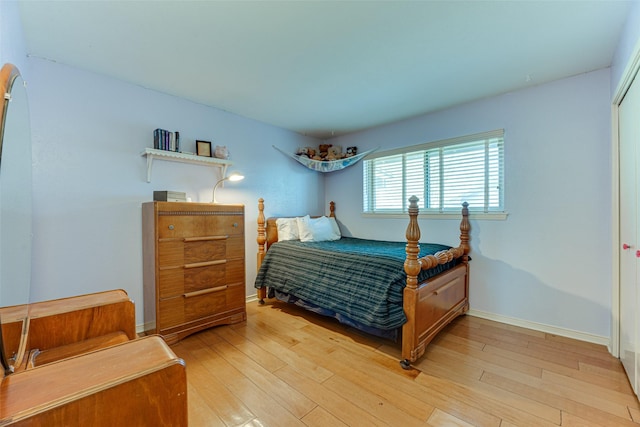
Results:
x,y
357,278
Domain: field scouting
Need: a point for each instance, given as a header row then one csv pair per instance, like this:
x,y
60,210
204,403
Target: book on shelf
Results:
x,y
166,140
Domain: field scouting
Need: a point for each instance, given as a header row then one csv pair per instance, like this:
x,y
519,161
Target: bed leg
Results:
x,y
262,294
405,364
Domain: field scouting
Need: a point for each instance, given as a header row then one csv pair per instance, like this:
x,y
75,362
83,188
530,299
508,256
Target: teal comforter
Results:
x,y
360,279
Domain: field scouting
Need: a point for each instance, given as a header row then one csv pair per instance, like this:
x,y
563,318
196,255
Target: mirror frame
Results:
x,y
8,75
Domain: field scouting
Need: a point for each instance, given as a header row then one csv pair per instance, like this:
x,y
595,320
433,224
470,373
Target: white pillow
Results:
x,y
304,229
335,227
317,229
287,229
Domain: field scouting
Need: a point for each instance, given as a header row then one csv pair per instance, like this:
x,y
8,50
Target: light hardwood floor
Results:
x,y
288,367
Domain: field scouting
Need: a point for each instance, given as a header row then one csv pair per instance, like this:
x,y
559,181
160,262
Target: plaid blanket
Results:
x,y
360,279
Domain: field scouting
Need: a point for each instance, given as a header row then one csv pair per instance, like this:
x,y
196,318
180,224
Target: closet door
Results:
x,y
629,139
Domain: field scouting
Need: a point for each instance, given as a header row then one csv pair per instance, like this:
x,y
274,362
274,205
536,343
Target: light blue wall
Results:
x,y
549,261
12,43
628,43
90,180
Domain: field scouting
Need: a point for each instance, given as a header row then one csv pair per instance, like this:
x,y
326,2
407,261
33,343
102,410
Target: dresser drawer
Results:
x,y
199,224
180,280
183,309
180,251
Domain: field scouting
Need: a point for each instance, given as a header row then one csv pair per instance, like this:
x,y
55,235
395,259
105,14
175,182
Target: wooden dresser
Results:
x,y
194,267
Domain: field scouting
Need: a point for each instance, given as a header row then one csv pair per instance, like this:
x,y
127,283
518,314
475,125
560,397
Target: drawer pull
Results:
x,y
204,238
445,287
206,263
204,291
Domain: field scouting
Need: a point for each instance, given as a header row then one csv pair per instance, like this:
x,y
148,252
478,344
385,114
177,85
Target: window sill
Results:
x,y
492,216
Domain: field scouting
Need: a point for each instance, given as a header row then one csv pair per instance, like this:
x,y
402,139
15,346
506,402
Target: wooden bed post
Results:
x,y
411,264
410,294
465,226
262,238
464,232
332,209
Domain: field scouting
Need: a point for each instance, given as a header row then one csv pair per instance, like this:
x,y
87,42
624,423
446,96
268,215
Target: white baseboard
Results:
x,y
145,327
569,333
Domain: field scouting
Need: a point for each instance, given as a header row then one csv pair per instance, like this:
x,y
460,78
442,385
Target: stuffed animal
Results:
x,y
334,153
306,151
324,150
351,151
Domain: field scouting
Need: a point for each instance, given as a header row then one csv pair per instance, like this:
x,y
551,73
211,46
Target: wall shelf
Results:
x,y
172,156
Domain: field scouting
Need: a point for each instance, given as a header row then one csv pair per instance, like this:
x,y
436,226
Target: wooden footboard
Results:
x,y
433,304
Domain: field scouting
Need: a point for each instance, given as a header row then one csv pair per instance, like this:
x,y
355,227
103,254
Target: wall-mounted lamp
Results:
x,y
233,176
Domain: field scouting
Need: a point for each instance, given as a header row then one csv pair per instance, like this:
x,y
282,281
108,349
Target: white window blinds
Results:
x,y
442,174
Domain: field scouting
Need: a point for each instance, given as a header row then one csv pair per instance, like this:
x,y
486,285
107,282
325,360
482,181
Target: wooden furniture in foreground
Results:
x,y
137,383
194,272
430,305
47,331
77,361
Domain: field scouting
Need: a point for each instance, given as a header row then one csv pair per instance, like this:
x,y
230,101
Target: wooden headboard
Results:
x,y
268,231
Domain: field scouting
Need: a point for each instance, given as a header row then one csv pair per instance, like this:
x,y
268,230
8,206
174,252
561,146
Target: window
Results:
x,y
441,174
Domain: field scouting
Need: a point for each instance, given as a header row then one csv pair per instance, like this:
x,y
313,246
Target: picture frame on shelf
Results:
x,y
203,148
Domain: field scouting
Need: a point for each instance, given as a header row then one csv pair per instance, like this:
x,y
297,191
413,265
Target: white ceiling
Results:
x,y
328,67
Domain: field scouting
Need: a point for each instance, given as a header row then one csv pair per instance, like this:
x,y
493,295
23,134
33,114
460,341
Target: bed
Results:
x,y
398,290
